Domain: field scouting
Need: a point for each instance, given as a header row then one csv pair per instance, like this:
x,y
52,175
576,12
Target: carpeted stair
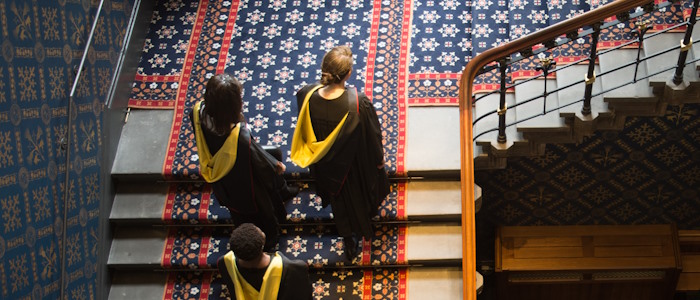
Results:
x,y
169,229
172,229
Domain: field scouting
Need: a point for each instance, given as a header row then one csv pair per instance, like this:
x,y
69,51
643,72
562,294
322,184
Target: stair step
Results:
x,y
131,285
432,139
201,247
143,144
144,141
487,105
575,93
661,42
423,197
433,242
137,247
432,283
145,204
612,60
420,283
535,108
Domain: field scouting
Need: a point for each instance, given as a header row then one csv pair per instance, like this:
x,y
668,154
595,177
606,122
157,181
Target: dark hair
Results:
x,y
247,241
336,64
223,102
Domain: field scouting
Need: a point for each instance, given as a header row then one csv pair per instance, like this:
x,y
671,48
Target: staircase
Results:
x,y
145,222
525,178
431,190
559,119
433,236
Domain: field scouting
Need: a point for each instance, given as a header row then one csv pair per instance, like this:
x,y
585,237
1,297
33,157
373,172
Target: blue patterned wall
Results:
x,y
42,42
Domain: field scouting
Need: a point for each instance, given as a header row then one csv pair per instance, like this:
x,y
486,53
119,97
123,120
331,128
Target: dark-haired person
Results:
x,y
245,178
339,138
250,273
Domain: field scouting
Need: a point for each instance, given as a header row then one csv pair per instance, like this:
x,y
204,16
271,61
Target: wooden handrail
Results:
x,y
465,117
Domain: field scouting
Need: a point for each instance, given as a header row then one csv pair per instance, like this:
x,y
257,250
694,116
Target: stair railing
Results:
x,y
499,59
686,44
66,143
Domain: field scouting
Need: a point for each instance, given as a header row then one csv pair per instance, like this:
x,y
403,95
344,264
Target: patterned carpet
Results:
x,y
273,48
407,53
344,284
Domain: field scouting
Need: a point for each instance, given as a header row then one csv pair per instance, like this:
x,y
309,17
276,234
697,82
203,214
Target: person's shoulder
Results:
x,y
221,263
365,102
294,262
305,89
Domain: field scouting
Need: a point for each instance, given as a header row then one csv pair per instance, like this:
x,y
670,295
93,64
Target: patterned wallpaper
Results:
x,y
647,173
42,43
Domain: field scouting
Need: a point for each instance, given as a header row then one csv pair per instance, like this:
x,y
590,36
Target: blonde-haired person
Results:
x,y
339,138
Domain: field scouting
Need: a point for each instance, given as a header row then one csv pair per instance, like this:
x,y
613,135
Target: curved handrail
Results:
x,y
465,117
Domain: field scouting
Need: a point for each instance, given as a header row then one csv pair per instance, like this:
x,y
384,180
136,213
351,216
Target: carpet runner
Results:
x,y
273,48
193,203
388,283
407,53
319,246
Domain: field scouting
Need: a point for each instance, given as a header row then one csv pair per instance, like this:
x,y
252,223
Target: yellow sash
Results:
x,y
216,167
271,280
306,150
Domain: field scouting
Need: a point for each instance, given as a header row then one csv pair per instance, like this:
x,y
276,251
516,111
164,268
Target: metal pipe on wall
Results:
x,y
67,145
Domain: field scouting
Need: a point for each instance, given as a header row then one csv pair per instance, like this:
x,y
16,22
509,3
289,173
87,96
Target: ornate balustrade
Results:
x,y
539,49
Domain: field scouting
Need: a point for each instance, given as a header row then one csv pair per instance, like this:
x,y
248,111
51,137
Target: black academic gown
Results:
x,y
347,177
252,189
295,283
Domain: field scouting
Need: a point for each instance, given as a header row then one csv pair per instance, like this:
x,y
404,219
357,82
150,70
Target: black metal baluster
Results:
x,y
502,108
686,44
590,76
545,65
642,28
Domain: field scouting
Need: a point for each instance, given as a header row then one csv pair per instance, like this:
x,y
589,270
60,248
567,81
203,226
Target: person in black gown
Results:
x,y
250,273
245,178
338,136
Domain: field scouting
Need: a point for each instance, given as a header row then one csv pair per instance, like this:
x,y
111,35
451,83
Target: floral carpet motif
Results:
x,y
406,53
327,284
273,48
318,245
193,203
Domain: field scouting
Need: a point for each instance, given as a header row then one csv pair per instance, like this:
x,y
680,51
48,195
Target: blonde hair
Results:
x,y
336,64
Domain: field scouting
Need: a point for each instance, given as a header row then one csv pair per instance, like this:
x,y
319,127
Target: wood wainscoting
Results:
x,y
635,262
689,280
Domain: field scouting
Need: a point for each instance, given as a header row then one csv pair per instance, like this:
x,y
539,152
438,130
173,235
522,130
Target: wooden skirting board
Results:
x,y
689,279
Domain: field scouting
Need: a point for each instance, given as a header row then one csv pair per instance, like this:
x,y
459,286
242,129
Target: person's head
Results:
x,y
247,242
223,101
336,65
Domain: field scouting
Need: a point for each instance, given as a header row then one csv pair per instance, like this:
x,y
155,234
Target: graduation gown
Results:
x,y
252,189
347,176
294,285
